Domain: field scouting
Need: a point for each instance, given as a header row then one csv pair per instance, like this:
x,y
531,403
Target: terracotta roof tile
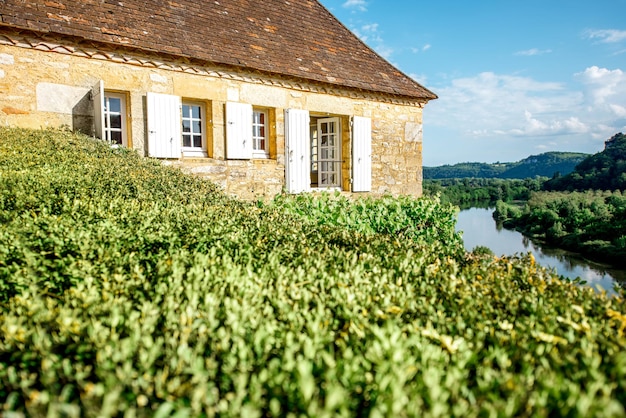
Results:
x,y
294,38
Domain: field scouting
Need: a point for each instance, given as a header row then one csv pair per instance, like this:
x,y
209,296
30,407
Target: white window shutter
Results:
x,y
297,151
164,125
238,131
97,95
361,154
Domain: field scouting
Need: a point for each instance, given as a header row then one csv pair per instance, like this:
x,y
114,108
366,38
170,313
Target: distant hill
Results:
x,y
605,170
548,164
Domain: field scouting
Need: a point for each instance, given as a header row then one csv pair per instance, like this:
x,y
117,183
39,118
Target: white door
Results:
x,y
328,152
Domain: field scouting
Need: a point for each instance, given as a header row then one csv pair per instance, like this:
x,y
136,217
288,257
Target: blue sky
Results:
x,y
514,78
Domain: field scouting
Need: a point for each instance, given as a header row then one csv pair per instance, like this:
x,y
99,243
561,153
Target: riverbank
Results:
x,y
591,223
480,229
592,251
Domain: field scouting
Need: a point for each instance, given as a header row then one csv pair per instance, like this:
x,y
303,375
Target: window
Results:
x,y
313,152
114,111
260,141
326,153
248,131
109,115
193,129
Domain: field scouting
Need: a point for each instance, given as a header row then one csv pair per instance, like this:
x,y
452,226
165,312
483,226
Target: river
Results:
x,y
479,228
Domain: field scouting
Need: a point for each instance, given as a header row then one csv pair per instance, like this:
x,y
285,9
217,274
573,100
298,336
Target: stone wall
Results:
x,y
49,85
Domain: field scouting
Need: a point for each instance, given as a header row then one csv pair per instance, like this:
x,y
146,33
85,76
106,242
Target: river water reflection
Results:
x,y
479,228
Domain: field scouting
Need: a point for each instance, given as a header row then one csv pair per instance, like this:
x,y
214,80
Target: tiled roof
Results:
x,y
293,38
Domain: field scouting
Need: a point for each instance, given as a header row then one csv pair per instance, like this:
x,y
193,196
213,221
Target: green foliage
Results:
x,y
547,164
423,221
129,289
592,223
605,170
481,250
476,191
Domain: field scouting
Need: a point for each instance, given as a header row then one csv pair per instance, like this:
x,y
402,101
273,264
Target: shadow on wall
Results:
x,y
82,116
67,102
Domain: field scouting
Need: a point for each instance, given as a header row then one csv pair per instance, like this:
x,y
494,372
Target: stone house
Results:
x,y
258,97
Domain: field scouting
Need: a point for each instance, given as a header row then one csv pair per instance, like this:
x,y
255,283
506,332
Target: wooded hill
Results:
x,y
547,164
605,170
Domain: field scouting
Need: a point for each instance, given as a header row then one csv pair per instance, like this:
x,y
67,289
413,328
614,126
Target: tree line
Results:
x,y
481,191
583,211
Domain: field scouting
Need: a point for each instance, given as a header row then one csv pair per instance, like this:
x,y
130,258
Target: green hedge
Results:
x,y
130,289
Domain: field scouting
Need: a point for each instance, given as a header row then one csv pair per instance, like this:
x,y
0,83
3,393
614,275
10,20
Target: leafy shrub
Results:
x,y
424,221
481,250
129,289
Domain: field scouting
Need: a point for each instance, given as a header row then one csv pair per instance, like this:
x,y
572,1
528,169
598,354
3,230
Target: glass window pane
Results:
x,y
116,137
186,126
115,104
197,127
186,140
197,141
116,121
262,118
196,112
185,111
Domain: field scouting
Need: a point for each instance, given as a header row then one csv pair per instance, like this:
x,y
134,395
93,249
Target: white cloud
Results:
x,y
516,114
369,34
366,32
493,104
533,52
549,127
420,78
605,98
619,111
360,5
417,50
607,35
602,86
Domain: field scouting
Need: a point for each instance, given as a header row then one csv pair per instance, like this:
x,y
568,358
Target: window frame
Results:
x,y
192,151
316,152
107,130
258,152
